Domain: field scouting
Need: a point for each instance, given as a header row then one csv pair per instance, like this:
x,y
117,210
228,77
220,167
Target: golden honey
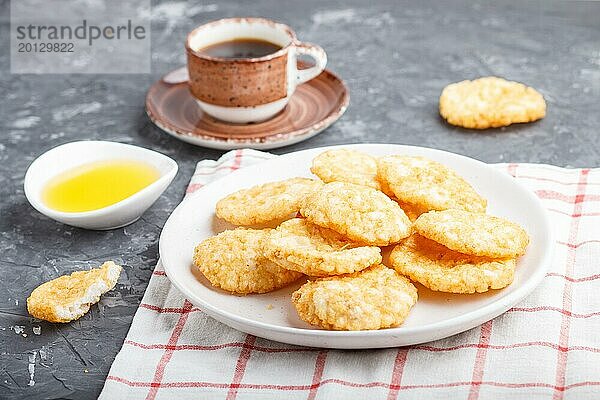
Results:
x,y
97,185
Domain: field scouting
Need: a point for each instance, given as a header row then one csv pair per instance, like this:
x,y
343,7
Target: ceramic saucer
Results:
x,y
314,106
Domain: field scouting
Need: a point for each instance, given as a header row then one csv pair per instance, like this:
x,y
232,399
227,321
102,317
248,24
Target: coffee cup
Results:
x,y
244,70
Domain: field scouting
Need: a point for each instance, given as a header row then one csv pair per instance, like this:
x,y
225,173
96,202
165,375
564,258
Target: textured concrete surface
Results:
x,y
395,56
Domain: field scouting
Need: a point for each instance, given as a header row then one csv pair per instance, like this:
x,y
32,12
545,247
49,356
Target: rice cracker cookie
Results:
x,y
233,261
346,165
361,213
473,233
374,298
265,203
490,102
299,245
69,297
441,269
427,184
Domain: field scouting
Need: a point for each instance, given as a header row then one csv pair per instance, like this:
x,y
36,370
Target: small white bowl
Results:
x,y
70,155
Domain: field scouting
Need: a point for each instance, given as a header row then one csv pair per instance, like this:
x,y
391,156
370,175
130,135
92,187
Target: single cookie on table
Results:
x,y
345,165
441,269
265,203
490,102
427,184
473,233
69,297
374,298
301,246
361,213
233,261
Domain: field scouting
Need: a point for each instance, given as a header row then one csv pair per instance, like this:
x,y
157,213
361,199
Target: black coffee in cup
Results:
x,y
240,48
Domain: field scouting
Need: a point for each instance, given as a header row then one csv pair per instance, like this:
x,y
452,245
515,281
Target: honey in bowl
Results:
x,y
97,185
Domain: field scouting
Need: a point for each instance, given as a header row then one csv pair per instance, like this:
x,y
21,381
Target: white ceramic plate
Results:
x,y
435,316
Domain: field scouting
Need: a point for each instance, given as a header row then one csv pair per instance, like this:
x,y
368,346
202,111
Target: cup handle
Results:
x,y
318,54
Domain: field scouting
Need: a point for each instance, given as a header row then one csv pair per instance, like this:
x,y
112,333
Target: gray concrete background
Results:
x,y
395,56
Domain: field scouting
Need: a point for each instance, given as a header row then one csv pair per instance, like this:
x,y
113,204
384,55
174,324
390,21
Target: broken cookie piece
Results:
x,y
69,297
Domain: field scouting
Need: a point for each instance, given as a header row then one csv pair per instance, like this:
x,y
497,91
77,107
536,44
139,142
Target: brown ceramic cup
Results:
x,y
243,90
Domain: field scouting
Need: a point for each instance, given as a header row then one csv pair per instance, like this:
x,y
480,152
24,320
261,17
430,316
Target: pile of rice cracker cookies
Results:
x,y
333,231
